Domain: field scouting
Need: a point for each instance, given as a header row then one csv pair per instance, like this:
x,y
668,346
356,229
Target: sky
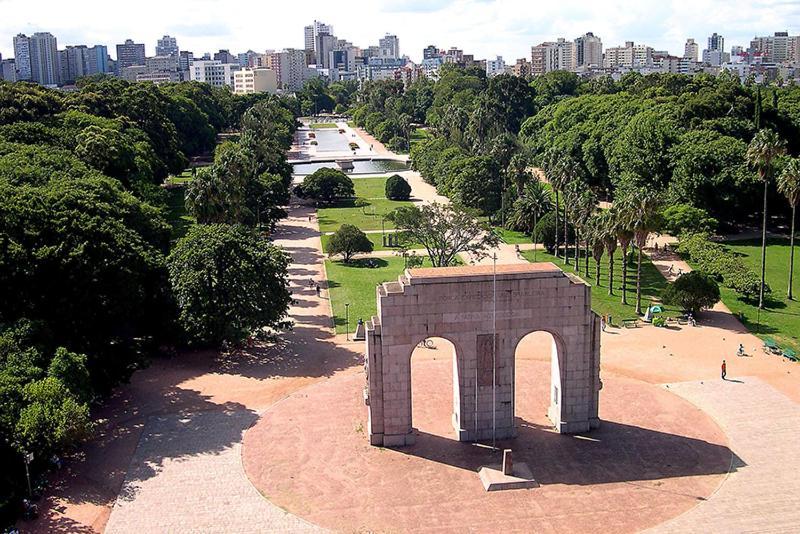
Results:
x,y
485,28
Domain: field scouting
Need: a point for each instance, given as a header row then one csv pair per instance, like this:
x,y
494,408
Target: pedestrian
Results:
x,y
671,270
310,282
309,218
516,249
724,370
318,290
609,320
603,323
741,350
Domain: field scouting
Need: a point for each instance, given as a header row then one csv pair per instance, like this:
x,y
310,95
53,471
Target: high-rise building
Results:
x,y
224,56
74,63
259,80
691,50
521,68
313,36
777,48
587,51
22,57
44,58
129,54
213,72
391,44
97,60
291,69
551,56
495,66
8,70
167,46
629,56
716,42
184,60
430,52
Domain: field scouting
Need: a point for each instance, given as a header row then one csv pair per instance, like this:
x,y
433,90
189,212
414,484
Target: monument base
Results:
x,y
493,478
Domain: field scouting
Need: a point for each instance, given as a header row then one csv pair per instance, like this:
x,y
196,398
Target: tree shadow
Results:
x,y
615,452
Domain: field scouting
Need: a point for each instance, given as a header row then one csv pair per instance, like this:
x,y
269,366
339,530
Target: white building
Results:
x,y
391,45
551,56
691,50
213,72
629,56
290,68
44,58
258,80
22,57
495,66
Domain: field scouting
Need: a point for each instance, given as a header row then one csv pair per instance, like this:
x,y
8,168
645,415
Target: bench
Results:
x,y
630,323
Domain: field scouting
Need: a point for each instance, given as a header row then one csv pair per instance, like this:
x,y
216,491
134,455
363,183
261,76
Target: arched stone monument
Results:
x,y
466,305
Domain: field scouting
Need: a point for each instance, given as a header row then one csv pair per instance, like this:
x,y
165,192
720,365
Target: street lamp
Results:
x,y
28,460
347,320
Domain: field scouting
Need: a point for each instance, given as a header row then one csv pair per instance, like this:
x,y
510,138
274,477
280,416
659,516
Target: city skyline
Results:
x,y
486,28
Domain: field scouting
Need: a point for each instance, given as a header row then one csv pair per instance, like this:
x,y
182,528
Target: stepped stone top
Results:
x,y
430,275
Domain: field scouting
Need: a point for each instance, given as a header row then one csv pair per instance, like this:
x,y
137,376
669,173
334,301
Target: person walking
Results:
x,y
724,370
740,352
318,290
603,323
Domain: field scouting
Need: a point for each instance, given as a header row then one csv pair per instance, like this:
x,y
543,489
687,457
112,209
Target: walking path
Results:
x,y
762,492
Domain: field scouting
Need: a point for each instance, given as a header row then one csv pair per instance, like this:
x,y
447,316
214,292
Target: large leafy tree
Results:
x,y
445,230
347,241
789,186
326,185
229,283
761,154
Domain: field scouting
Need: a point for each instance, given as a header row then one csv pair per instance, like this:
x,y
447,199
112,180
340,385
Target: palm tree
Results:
x,y
789,186
582,206
534,202
557,180
572,189
761,154
640,207
608,221
624,236
595,235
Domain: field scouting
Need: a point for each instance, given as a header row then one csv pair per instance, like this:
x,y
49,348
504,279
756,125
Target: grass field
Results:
x,y
183,178
512,237
780,319
366,218
653,285
323,125
355,284
177,215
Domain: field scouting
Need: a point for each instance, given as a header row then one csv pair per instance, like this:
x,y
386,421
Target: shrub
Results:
x,y
348,241
397,188
693,292
545,231
327,185
723,265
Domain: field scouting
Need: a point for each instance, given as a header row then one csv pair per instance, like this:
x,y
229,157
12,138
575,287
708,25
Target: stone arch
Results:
x,y
558,359
484,312
455,373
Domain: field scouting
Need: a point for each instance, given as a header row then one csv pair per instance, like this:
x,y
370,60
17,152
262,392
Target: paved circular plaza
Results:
x,y
654,457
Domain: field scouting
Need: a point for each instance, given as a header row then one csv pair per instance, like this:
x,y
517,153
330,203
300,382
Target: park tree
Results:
x,y
761,154
445,230
595,234
397,188
348,241
680,219
692,292
607,222
229,283
534,203
640,207
326,185
789,186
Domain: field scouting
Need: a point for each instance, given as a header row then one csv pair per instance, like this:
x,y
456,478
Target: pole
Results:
x,y
347,320
494,349
28,459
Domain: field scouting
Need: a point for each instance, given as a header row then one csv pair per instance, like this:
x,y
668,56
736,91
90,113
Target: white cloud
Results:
x,y
483,27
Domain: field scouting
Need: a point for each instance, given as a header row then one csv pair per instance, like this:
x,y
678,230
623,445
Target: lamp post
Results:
x,y
347,320
28,459
383,231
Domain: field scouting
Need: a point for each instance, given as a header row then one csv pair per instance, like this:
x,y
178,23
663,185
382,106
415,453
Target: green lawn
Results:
x,y
183,178
653,284
780,319
355,284
512,237
177,215
321,125
370,187
372,190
